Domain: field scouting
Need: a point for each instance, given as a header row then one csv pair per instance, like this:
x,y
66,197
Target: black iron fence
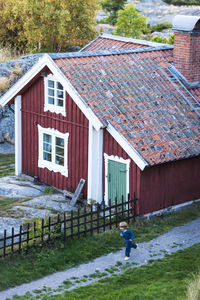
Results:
x,y
85,220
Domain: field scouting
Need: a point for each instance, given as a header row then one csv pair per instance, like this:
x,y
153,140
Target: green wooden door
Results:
x,y
116,181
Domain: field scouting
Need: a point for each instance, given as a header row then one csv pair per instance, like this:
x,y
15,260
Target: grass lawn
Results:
x,y
7,165
60,255
163,279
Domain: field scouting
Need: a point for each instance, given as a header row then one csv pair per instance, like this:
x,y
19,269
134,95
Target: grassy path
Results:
x,y
176,239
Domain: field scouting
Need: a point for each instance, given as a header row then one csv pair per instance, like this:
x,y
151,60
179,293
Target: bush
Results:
x,y
159,39
160,27
183,2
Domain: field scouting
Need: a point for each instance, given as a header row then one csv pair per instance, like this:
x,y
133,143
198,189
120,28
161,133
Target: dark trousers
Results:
x,y
129,245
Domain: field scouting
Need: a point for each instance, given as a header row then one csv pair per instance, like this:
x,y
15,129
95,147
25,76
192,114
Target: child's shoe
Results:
x,y
126,257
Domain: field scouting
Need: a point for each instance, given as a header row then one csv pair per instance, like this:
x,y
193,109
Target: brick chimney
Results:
x,y
187,46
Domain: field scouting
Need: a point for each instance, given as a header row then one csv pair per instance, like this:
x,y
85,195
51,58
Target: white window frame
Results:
x,y
52,166
53,107
117,159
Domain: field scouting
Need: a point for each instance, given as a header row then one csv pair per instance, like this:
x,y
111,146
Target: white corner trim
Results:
x,y
120,160
95,164
135,156
50,107
18,136
52,166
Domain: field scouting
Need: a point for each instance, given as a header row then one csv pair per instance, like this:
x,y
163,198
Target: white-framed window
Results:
x,y
53,149
54,95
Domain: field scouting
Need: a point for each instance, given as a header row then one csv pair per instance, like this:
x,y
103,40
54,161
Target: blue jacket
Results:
x,y
127,235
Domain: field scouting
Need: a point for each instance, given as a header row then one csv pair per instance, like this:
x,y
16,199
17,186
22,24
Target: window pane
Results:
x,y
59,142
60,151
47,138
47,156
59,160
51,92
59,86
47,147
50,100
60,94
51,83
60,102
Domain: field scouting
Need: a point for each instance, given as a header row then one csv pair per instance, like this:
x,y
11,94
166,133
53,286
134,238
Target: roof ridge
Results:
x,y
108,52
129,40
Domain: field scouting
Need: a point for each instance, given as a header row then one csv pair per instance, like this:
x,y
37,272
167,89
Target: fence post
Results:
x,y
122,206
134,209
128,207
85,220
72,223
4,243
78,222
49,228
34,232
65,227
104,216
12,242
110,212
42,234
27,237
98,212
91,219
59,223
116,216
20,238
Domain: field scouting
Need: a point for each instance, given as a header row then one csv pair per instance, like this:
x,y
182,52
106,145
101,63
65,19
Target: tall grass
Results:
x,y
8,54
5,82
193,289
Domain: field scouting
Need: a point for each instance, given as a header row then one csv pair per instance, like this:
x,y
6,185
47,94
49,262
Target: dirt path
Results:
x,y
178,238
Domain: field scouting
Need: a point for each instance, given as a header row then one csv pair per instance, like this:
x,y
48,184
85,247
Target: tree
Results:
x,y
112,7
130,23
50,24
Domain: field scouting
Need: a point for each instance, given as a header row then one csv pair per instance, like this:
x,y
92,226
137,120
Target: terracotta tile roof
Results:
x,y
106,41
128,89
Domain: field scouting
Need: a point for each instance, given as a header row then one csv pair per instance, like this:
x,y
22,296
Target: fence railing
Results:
x,y
89,219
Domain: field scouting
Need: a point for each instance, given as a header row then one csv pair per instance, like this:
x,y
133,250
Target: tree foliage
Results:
x,y
112,7
130,23
50,24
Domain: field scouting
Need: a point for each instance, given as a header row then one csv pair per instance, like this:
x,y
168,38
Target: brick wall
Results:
x,y
187,54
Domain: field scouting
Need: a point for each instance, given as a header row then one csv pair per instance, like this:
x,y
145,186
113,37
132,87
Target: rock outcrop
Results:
x,y
7,113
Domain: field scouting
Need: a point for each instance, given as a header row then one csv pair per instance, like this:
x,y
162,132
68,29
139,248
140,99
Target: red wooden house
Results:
x,y
126,119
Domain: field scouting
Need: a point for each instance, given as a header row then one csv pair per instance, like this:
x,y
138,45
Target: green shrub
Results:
x,y
160,27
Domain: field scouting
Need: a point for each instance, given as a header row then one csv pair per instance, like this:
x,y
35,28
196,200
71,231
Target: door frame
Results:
x,y
116,159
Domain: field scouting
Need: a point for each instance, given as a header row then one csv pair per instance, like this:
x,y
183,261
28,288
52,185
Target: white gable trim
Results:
x,y
135,156
47,61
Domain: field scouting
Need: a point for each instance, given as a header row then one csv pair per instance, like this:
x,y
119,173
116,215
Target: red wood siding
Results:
x,y
75,123
111,147
169,184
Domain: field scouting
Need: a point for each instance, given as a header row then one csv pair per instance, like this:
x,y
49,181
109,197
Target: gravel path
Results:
x,y
178,238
